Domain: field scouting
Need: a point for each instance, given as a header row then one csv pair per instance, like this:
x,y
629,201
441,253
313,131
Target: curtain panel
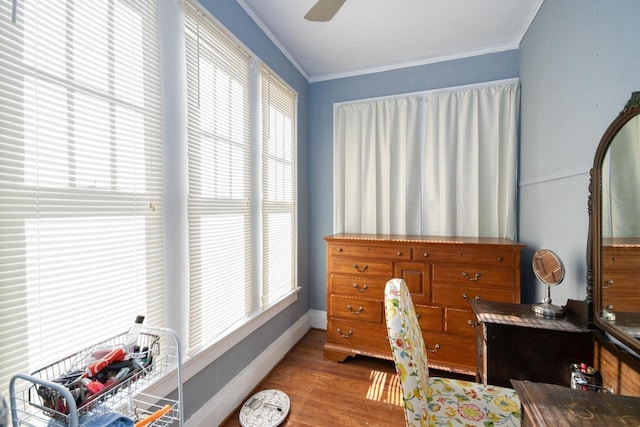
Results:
x,y
435,163
376,164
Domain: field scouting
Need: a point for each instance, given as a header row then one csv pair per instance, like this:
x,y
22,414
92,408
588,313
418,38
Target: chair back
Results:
x,y
408,349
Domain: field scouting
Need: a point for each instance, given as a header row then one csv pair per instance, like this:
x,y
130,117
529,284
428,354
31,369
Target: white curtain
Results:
x,y
377,164
437,163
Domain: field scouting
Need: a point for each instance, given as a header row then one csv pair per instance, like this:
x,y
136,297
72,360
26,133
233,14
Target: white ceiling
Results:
x,y
375,35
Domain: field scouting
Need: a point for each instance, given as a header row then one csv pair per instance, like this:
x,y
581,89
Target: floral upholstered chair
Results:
x,y
430,401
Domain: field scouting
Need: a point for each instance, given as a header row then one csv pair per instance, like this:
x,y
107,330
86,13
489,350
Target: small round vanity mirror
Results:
x,y
549,269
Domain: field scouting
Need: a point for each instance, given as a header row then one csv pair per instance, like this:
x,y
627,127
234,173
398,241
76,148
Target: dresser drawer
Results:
x,y
361,267
356,308
493,256
457,322
620,257
619,290
359,336
430,318
364,251
452,351
459,296
473,275
372,287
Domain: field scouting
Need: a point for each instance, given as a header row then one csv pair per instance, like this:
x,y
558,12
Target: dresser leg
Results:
x,y
334,355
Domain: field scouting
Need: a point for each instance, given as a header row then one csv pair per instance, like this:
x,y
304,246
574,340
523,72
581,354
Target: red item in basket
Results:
x,y
94,387
116,355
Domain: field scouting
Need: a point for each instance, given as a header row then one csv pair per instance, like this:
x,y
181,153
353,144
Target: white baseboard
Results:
x,y
221,405
318,319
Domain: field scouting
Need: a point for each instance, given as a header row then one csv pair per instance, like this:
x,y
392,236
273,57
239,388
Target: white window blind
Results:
x,y
242,230
81,249
219,162
278,187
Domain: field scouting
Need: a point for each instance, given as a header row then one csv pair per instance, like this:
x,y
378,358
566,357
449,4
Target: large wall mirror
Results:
x,y
615,228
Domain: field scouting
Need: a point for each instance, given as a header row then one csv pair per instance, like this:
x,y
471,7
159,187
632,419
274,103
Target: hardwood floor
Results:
x,y
360,391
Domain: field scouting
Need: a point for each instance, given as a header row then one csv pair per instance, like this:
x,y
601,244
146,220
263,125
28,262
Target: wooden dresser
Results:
x,y
443,274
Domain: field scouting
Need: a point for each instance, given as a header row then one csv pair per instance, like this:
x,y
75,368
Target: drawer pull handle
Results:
x,y
435,348
472,323
357,288
426,254
466,297
607,284
418,316
339,249
471,279
358,311
361,270
398,253
499,259
348,335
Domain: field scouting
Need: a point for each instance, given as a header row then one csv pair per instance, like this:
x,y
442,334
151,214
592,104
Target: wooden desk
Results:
x,y
556,406
513,342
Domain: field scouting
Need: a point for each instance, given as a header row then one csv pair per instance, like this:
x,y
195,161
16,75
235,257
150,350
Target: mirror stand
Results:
x,y
549,269
545,307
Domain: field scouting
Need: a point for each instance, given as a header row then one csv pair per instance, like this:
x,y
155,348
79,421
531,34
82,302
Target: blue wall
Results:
x,y
478,69
579,64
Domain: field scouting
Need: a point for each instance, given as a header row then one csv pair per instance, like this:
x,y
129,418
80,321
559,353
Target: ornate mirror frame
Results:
x,y
595,238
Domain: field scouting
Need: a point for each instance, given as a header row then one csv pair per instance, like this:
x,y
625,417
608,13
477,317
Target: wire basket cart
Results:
x,y
60,394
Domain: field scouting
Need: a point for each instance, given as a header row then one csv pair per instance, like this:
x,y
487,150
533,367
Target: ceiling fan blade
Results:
x,y
324,10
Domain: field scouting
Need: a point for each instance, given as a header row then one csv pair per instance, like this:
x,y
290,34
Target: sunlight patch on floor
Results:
x,y
384,388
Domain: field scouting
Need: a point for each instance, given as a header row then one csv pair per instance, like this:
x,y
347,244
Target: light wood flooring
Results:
x,y
360,391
